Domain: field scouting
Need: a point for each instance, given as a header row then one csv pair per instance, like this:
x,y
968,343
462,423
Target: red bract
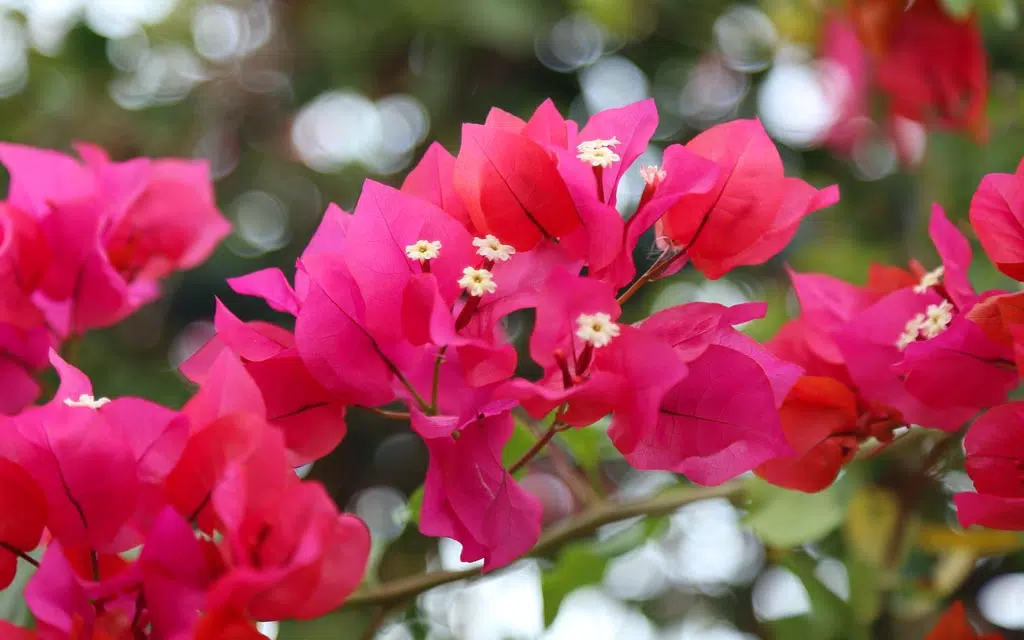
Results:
x,y
512,188
932,66
954,625
819,418
720,419
62,443
912,350
311,418
994,448
469,496
287,551
22,517
753,210
997,215
113,229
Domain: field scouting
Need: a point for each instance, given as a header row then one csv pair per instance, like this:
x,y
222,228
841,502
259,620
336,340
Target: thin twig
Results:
x,y
536,448
19,553
584,523
394,415
436,386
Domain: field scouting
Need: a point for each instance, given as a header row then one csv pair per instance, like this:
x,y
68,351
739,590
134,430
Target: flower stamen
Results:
x,y
477,282
596,329
931,279
87,401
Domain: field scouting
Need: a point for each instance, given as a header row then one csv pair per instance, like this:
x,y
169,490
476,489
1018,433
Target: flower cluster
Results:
x,y
83,244
405,301
914,347
931,67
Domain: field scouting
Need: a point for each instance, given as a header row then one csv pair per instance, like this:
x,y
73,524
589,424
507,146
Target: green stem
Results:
x,y
436,387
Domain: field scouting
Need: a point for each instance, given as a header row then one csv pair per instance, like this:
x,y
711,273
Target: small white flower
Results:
x,y
596,328
652,175
601,157
491,248
937,319
477,282
86,400
930,279
423,250
911,331
598,153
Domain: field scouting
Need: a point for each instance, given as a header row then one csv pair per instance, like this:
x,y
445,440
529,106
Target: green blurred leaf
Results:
x,y
871,523
959,9
784,518
12,599
346,623
1006,12
830,616
585,445
578,565
415,505
865,594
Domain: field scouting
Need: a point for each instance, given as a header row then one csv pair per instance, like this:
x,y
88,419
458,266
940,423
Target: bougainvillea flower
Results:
x,y
163,217
954,625
932,65
718,422
997,215
23,353
22,517
10,631
469,496
512,188
994,450
310,417
271,285
683,173
870,345
113,229
385,223
288,552
752,211
819,418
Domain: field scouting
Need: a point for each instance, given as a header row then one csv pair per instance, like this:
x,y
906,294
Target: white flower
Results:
x,y
911,331
652,175
598,153
930,279
477,282
423,250
937,319
596,328
491,248
86,400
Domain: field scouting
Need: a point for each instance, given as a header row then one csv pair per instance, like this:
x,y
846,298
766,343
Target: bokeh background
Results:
x,y
296,102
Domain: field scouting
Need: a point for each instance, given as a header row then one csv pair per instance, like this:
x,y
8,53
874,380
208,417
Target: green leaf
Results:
x,y
585,445
517,446
865,594
784,518
1005,12
415,506
958,9
578,565
830,616
346,623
